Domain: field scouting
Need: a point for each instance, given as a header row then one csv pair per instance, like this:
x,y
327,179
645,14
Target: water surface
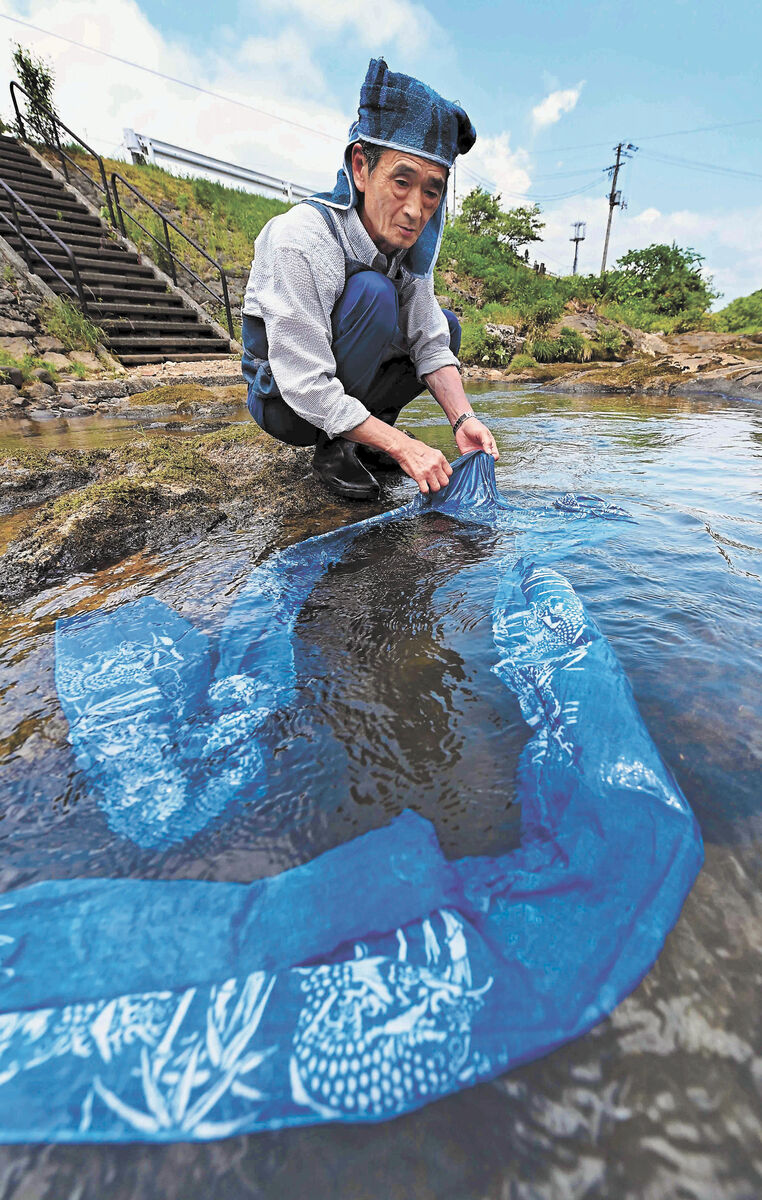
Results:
x,y
662,1100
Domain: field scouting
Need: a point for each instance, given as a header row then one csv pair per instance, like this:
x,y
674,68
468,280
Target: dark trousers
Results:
x,y
364,324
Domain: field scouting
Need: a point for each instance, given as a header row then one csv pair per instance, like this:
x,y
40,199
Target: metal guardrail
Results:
x,y
166,245
66,160
28,247
141,147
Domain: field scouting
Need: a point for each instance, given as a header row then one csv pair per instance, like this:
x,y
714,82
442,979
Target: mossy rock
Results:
x,y
189,398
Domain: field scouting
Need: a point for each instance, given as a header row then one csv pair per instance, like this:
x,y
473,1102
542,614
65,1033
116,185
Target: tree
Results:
x,y
481,214
667,277
36,77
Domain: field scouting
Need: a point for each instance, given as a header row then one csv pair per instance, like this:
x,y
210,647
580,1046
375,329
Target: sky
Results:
x,y
551,87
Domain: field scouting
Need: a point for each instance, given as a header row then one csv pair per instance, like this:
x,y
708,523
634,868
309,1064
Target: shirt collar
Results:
x,y
365,249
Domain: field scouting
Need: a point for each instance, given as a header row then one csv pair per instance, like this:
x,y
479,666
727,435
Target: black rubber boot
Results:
x,y
337,464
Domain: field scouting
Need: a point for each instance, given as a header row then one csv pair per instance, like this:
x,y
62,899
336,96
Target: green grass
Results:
x,y
225,221
26,365
69,324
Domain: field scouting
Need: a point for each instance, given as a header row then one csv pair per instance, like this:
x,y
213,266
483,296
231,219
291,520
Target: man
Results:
x,y
341,327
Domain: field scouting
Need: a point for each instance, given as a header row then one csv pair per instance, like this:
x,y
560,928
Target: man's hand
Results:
x,y
427,466
472,435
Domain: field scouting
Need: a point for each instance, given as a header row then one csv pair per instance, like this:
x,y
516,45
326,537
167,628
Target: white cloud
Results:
x,y
493,164
376,24
98,97
552,108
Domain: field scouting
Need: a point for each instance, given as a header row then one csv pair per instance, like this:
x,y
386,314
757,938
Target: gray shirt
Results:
x,y
296,278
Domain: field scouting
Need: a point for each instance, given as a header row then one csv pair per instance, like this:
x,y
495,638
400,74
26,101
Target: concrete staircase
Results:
x,y
143,320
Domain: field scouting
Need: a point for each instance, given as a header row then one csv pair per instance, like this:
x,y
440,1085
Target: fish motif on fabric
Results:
x,y
379,1035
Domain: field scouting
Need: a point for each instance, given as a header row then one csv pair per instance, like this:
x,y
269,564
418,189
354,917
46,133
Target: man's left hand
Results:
x,y
472,435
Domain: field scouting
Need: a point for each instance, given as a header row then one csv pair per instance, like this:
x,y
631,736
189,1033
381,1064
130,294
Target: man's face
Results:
x,y
399,197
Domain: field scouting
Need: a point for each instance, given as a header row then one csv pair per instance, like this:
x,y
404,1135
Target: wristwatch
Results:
x,y
463,417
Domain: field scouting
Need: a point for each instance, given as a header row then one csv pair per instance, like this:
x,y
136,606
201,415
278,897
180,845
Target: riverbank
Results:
x,y
64,511
696,364
189,460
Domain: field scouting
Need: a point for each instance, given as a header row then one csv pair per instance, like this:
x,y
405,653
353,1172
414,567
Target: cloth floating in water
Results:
x,y
377,977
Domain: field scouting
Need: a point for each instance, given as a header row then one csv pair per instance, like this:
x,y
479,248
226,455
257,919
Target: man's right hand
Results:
x,y
427,466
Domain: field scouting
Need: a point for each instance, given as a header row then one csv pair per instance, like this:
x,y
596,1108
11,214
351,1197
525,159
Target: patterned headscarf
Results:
x,y
400,112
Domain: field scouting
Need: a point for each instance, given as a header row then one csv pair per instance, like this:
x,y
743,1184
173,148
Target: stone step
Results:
x,y
137,360
179,322
84,223
167,345
101,248
148,293
55,201
115,309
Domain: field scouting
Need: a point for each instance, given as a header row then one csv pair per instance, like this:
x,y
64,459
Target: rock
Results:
x,y
66,400
6,296
85,358
81,410
8,393
40,414
648,343
17,347
59,361
39,391
510,341
13,375
43,375
9,328
45,343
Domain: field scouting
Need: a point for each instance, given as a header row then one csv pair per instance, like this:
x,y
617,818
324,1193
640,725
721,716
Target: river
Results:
x,y
661,1101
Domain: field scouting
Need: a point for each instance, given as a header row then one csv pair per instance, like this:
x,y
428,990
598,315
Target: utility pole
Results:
x,y
615,197
579,236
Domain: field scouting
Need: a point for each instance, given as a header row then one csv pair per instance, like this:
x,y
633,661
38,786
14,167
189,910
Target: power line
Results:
x,y
331,137
173,79
714,168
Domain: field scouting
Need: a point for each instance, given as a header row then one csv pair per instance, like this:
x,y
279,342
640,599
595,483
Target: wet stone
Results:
x,y
43,376
81,410
40,414
8,393
39,391
12,375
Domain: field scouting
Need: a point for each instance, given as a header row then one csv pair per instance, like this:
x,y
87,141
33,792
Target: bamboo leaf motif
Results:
x,y
207,1062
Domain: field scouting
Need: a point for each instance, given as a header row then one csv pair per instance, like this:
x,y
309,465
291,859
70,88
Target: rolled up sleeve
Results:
x,y
424,327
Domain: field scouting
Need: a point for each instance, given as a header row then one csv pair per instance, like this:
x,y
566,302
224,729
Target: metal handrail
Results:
x,y
65,158
167,246
16,202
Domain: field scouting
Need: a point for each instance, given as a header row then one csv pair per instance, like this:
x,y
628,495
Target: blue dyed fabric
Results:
x,y
380,975
401,113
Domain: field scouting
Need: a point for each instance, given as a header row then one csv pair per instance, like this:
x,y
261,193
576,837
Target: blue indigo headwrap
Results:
x,y
404,114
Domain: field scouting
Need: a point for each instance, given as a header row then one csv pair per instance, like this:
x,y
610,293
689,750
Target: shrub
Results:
x,y
740,316
480,348
522,362
569,346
